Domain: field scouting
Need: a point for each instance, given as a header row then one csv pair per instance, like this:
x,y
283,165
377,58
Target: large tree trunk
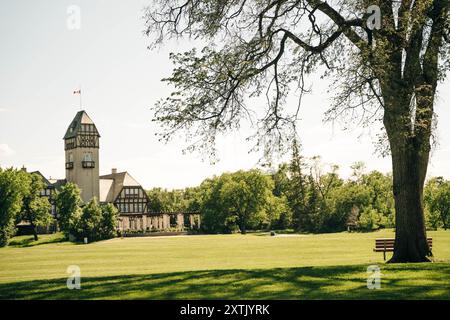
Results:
x,y
410,157
410,234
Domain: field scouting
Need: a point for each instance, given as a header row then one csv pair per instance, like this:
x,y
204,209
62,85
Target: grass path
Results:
x,y
220,266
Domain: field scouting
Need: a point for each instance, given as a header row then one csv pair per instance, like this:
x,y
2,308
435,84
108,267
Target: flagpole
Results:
x,y
78,91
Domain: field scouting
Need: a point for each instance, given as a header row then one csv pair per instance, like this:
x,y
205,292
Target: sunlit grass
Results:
x,y
248,266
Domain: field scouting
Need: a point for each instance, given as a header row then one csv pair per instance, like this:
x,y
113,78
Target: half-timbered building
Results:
x,y
82,165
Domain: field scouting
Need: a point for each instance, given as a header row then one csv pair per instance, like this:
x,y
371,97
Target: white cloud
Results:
x,y
3,109
5,150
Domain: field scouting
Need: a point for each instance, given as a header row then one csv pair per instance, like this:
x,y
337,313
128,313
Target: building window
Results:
x,y
69,163
131,192
173,221
187,220
87,156
87,128
70,143
87,161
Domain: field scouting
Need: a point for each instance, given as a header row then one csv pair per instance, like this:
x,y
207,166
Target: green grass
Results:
x,y
28,241
252,266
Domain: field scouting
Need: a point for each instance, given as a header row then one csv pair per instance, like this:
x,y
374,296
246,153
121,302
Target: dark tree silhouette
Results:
x,y
263,47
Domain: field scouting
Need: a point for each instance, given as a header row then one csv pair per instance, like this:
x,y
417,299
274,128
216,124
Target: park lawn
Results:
x,y
252,266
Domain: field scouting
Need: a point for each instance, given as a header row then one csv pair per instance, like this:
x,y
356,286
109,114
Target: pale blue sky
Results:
x,y
42,62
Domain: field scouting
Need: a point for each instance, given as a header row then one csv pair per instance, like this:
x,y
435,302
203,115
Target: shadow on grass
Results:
x,y
430,281
28,241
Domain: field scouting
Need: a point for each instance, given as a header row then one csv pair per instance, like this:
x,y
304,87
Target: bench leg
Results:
x,y
384,255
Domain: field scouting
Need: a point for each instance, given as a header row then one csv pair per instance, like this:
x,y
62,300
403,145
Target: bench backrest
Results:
x,y
389,243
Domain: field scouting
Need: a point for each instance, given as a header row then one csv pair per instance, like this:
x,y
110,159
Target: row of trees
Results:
x,y
21,199
303,195
324,202
228,203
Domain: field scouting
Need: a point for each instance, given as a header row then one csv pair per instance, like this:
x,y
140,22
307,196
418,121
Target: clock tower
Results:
x,y
81,144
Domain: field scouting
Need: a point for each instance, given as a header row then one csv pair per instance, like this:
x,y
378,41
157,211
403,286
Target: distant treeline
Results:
x,y
300,195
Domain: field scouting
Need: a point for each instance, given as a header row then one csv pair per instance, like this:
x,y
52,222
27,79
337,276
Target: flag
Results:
x,y
77,91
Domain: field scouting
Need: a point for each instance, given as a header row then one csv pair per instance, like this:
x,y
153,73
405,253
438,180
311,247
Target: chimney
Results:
x,y
114,170
24,169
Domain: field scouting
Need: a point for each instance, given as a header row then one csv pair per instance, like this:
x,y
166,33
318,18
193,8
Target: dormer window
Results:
x,y
74,125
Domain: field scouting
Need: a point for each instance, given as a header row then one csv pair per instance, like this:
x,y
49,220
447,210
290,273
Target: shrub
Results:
x,y
108,226
90,222
370,219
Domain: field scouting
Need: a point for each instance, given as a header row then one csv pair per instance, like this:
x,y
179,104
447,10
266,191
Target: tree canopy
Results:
x,y
384,67
21,200
266,48
36,208
437,199
68,201
239,201
14,185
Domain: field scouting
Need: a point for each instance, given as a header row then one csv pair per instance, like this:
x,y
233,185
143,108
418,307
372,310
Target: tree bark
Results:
x,y
410,157
34,232
410,235
242,225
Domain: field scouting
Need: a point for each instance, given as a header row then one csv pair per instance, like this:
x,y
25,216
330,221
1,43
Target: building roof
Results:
x,y
75,126
57,183
44,179
112,184
106,190
51,183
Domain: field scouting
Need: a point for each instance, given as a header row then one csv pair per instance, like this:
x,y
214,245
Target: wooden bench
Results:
x,y
387,245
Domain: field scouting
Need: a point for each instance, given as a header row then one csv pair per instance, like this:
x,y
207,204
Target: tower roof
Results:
x,y
82,123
